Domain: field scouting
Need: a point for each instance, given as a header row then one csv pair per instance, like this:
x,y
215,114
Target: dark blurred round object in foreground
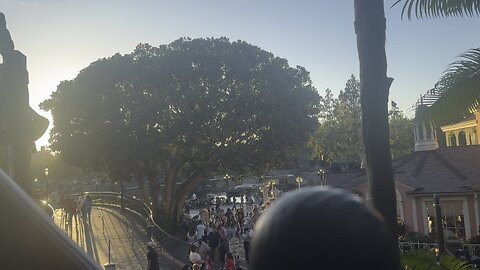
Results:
x,y
321,228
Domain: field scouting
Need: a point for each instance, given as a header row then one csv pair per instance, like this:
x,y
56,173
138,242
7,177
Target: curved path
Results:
x,y
127,239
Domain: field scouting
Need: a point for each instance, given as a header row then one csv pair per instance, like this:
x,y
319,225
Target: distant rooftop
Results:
x,y
444,170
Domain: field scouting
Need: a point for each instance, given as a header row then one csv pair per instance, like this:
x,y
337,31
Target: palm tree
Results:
x,y
439,8
457,92
374,87
458,89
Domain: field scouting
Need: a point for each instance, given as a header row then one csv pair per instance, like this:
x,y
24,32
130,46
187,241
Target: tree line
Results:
x,y
337,142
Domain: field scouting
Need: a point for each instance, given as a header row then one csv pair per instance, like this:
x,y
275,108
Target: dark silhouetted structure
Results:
x,y
20,125
322,228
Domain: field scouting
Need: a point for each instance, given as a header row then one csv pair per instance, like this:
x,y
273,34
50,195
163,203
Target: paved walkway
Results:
x,y
108,226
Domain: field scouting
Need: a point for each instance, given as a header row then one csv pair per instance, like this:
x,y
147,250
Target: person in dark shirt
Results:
x,y
222,251
213,240
152,257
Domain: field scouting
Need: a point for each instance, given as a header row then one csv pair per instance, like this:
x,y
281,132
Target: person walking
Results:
x,y
204,215
88,208
230,262
213,241
81,206
71,210
200,230
152,257
247,236
203,248
207,263
192,235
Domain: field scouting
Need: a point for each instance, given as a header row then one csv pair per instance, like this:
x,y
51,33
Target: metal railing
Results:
x,y
170,245
472,249
410,246
28,229
47,207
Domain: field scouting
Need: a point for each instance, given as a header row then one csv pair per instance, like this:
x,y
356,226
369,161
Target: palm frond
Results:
x,y
459,89
439,8
424,260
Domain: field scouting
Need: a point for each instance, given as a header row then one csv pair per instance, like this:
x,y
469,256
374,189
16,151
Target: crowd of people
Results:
x,y
211,232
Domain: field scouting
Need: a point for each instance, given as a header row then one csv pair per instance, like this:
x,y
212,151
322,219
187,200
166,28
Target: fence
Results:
x,y
409,246
172,246
472,249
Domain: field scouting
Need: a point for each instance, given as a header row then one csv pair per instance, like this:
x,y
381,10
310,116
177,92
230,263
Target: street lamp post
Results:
x,y
227,179
321,174
299,181
46,182
35,188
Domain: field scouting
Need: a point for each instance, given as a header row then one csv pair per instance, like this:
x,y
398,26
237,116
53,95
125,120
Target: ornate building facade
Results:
x,y
462,133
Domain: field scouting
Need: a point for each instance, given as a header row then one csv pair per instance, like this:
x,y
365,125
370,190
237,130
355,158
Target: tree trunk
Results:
x,y
177,206
154,188
181,194
139,177
370,27
170,183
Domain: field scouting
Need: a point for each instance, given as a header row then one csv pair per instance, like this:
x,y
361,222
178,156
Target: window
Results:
x,y
428,131
453,140
462,139
453,220
400,214
473,137
420,131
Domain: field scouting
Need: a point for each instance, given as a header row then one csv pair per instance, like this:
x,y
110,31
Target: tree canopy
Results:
x,y
401,133
182,111
338,139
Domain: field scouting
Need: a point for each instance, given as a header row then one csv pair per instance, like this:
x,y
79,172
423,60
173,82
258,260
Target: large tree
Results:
x,y
370,25
338,138
177,113
401,133
458,90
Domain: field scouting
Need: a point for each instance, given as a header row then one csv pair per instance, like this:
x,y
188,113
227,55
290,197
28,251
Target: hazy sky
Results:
x,y
61,37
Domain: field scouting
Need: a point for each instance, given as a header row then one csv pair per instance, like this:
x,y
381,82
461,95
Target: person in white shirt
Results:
x,y
203,248
200,230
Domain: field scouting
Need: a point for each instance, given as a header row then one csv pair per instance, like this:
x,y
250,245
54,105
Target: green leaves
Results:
x,y
338,138
401,134
459,89
425,260
193,105
439,8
